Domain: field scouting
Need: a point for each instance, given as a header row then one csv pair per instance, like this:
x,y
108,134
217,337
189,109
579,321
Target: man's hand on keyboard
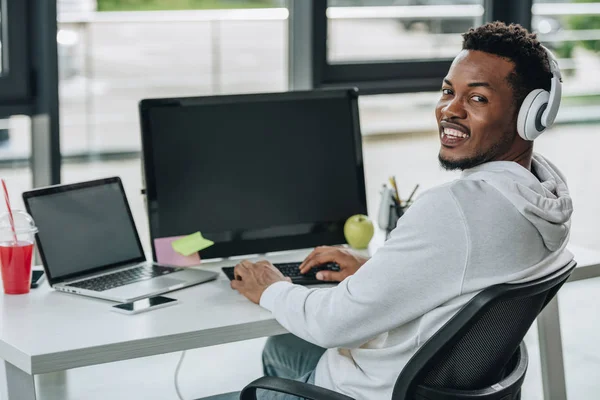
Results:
x,y
348,261
252,279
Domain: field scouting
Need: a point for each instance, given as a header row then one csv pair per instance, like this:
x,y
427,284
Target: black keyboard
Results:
x,y
291,270
123,278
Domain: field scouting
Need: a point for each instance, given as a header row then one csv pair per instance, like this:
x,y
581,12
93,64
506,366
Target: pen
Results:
x,y
412,194
395,187
395,201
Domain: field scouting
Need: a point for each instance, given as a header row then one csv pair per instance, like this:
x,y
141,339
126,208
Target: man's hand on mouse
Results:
x,y
348,261
252,279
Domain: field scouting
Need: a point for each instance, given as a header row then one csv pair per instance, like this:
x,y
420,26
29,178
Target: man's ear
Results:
x,y
514,115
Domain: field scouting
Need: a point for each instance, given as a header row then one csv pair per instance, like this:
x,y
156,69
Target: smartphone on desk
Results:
x,y
143,305
37,277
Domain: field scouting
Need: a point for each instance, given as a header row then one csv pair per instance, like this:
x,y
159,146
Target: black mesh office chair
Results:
x,y
478,354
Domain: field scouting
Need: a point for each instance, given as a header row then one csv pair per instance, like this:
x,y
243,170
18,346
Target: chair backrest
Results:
x,y
471,350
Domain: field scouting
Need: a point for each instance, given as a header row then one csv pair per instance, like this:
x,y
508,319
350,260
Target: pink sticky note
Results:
x,y
166,255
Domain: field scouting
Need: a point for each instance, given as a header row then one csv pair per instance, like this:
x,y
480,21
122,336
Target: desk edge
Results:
x,y
60,361
15,357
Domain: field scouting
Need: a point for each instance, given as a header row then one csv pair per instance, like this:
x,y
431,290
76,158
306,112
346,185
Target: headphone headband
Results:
x,y
555,91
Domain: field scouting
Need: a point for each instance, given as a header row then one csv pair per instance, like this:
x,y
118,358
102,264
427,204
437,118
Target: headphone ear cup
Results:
x,y
529,124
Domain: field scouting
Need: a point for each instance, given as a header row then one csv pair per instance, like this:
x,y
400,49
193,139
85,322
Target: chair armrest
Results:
x,y
288,386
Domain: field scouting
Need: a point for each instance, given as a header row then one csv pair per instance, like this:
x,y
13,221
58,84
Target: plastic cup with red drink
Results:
x,y
16,251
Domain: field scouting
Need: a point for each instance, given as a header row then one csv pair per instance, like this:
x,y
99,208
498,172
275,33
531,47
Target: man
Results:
x,y
506,219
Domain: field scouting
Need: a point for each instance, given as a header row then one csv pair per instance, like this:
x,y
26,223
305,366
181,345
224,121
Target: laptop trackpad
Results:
x,y
146,288
158,283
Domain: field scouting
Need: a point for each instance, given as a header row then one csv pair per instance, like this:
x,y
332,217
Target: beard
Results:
x,y
464,163
480,158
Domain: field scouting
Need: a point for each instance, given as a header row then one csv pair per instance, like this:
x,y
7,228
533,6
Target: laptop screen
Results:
x,y
84,227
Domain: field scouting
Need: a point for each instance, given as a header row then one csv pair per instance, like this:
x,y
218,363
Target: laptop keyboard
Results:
x,y
122,278
292,270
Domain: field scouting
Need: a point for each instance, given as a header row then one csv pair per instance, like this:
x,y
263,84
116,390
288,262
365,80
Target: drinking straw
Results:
x,y
10,214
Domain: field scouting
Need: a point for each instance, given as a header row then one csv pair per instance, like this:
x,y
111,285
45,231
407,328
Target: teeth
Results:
x,y
454,133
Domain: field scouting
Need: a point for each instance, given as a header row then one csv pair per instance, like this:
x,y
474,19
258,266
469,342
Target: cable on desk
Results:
x,y
175,378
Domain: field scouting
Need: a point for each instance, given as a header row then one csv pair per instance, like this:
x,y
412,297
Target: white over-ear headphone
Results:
x,y
539,109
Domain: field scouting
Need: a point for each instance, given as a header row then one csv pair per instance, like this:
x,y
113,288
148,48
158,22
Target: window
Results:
x,y
153,5
572,32
387,46
398,29
109,61
15,152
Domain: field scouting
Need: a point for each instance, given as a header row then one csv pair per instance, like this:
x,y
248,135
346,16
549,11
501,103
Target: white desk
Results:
x,y
47,331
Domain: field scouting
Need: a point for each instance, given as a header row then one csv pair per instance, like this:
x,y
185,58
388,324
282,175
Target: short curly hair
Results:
x,y
515,43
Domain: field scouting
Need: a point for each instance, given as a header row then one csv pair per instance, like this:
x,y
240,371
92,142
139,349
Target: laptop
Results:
x,y
89,244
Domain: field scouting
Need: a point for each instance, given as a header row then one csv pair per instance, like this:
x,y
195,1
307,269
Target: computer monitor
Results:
x,y
254,173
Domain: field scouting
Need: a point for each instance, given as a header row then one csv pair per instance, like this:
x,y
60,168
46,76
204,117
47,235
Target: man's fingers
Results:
x,y
313,262
331,276
319,259
237,272
314,253
241,269
264,262
236,284
306,261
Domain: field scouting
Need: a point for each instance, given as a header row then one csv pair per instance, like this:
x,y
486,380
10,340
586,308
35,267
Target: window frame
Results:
x,y
15,82
406,76
29,86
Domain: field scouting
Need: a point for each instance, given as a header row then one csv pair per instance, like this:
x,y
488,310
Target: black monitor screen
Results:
x,y
84,227
254,174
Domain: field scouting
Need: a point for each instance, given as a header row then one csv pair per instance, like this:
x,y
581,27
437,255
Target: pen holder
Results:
x,y
389,211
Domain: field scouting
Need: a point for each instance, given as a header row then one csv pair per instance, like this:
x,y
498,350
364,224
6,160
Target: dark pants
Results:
x,y
284,356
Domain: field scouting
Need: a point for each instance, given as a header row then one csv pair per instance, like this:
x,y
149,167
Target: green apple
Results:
x,y
358,231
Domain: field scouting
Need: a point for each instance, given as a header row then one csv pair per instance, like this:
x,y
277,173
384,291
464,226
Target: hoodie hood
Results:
x,y
540,195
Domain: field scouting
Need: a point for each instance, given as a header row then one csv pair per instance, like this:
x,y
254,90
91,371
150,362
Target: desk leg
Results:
x,y
551,354
52,386
20,385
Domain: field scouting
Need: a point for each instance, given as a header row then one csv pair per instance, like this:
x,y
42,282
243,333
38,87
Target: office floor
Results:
x,y
412,158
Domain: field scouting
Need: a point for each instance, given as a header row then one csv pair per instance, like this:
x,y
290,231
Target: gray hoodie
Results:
x,y
497,223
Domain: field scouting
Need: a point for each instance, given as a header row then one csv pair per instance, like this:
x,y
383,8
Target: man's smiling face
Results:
x,y
476,113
